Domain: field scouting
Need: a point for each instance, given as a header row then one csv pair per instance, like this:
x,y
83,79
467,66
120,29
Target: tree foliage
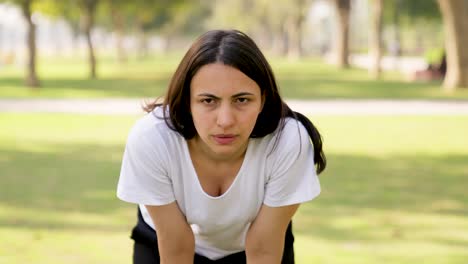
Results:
x,y
278,24
411,11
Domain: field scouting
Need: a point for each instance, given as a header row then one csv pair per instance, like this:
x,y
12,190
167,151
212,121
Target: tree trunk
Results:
x,y
31,75
455,17
295,22
375,39
396,48
293,28
342,8
89,6
143,49
142,40
118,22
75,31
279,42
266,33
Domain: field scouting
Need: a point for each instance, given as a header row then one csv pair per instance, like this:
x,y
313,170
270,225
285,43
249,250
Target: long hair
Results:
x,y
235,49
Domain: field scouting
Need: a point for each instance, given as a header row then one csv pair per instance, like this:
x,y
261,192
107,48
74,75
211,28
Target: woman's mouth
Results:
x,y
223,139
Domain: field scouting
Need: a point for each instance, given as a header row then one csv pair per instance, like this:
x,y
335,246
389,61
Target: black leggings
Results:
x,y
145,250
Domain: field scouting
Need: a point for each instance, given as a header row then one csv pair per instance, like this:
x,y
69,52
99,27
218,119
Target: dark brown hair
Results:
x,y
235,49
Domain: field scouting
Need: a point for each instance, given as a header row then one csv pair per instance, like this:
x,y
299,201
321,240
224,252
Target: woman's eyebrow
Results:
x,y
242,94
209,95
233,96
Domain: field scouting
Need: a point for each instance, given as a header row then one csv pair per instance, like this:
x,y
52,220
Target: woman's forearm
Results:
x,y
261,249
264,242
263,258
182,257
177,249
176,242
263,254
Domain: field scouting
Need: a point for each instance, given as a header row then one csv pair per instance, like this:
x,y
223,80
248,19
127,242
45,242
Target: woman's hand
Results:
x,y
176,242
265,238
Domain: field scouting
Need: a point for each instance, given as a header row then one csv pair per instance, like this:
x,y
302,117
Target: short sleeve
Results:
x,y
144,175
292,175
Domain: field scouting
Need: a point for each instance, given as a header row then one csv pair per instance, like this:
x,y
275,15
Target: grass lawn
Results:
x,y
394,191
306,79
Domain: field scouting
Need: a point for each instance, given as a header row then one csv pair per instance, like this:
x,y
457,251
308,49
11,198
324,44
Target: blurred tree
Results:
x,y
375,38
269,24
147,16
343,8
183,18
118,20
455,17
296,14
391,16
166,18
115,15
80,16
411,11
409,14
244,15
88,8
31,78
51,8
277,24
65,9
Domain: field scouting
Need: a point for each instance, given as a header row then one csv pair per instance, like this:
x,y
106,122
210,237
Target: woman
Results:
x,y
221,166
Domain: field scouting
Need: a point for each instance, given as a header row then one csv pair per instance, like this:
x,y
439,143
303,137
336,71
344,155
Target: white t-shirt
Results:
x,y
157,170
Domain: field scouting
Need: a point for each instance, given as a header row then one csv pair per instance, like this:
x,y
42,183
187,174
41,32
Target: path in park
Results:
x,y
318,107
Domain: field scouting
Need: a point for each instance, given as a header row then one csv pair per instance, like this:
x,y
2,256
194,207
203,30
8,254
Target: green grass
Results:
x,y
58,175
394,191
305,79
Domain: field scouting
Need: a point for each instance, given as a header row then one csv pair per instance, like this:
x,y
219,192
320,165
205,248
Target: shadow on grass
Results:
x,y
320,87
406,182
103,87
399,198
71,177
83,178
294,87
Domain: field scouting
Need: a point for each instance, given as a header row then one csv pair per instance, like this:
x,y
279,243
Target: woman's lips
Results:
x,y
224,139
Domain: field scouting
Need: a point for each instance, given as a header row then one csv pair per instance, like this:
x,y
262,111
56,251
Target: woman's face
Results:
x,y
224,104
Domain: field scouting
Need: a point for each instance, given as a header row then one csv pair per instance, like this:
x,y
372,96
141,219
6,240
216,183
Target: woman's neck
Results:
x,y
200,151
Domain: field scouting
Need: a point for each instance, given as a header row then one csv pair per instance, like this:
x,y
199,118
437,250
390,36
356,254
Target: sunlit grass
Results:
x,y
394,191
43,245
308,78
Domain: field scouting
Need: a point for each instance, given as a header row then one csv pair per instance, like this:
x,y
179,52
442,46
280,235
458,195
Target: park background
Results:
x,y
395,187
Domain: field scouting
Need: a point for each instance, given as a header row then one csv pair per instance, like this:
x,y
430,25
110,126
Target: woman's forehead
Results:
x,y
221,78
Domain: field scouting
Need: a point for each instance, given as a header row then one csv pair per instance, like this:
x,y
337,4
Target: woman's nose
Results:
x,y
225,116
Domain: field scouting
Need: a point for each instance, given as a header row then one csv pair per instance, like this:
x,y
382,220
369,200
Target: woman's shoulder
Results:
x,y
293,132
151,128
293,126
289,135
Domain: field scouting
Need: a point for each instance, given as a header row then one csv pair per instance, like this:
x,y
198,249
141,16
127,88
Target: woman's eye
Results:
x,y
242,100
208,101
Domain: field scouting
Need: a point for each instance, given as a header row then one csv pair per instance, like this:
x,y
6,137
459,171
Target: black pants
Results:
x,y
145,249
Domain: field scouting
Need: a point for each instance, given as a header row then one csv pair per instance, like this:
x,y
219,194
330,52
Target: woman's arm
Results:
x,y
176,242
265,238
